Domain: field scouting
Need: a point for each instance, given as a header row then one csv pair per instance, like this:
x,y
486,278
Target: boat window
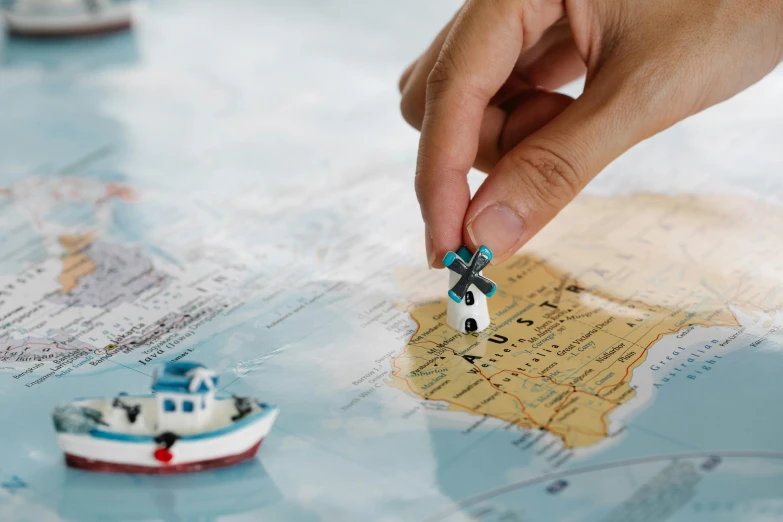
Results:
x,y
168,405
187,406
203,403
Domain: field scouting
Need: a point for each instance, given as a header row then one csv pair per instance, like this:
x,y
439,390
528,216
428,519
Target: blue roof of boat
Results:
x,y
174,378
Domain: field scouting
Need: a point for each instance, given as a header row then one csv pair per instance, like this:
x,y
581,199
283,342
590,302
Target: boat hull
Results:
x,y
101,450
114,18
78,462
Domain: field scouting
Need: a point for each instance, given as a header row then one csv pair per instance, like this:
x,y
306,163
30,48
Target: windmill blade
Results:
x,y
486,286
454,263
458,291
480,260
470,273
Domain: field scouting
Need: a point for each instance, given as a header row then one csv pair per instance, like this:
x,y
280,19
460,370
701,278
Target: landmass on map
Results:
x,y
577,312
56,346
151,340
76,261
104,275
73,301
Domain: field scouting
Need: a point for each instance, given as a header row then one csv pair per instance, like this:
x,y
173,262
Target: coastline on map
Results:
x,y
682,355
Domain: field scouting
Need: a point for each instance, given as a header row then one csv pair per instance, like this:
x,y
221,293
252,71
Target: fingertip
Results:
x,y
432,258
444,197
486,252
496,260
497,227
439,255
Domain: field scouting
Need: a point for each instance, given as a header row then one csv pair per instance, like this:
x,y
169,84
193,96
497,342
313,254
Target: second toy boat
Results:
x,y
182,427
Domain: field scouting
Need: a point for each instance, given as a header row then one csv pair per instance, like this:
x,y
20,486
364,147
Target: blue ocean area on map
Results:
x,y
72,214
686,423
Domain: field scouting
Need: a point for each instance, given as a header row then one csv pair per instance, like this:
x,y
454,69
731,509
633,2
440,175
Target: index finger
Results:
x,y
477,57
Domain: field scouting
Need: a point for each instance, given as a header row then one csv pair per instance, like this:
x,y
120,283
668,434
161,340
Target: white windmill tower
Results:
x,y
468,289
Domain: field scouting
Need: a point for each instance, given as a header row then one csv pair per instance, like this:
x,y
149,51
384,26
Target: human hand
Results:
x,y
481,96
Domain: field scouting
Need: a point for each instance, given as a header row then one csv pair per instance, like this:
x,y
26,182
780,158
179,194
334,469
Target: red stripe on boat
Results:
x,y
114,467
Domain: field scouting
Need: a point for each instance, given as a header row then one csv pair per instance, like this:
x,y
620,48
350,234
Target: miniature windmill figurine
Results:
x,y
468,289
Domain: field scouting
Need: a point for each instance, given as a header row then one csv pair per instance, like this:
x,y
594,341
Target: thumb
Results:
x,y
543,173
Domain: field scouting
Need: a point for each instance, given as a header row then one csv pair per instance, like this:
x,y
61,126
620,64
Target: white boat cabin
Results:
x,y
185,394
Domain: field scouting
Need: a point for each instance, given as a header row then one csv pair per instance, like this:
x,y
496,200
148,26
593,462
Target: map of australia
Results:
x,y
577,311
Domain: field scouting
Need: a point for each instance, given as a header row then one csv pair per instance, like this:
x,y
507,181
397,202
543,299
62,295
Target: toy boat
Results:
x,y
67,17
182,427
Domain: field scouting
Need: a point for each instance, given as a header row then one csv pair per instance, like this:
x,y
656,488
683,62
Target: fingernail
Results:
x,y
497,227
429,245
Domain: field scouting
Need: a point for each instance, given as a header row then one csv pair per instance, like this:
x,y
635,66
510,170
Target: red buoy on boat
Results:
x,y
163,455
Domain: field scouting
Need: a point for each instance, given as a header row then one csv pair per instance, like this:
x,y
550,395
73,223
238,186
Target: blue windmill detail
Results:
x,y
469,268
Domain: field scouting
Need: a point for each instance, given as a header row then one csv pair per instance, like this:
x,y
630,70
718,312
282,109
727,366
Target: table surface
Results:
x,y
303,88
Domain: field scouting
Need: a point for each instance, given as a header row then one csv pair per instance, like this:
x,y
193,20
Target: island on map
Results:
x,y
575,315
56,347
76,262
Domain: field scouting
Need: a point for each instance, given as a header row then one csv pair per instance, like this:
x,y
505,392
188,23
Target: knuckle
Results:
x,y
501,6
450,71
547,176
441,71
529,11
447,79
